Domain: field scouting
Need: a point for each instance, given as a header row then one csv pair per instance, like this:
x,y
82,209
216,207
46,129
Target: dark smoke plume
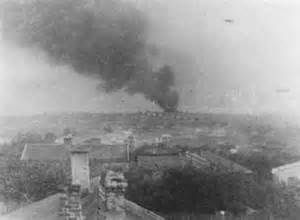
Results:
x,y
100,38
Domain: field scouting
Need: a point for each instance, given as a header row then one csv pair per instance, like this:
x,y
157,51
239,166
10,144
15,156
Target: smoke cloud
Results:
x,y
249,64
104,39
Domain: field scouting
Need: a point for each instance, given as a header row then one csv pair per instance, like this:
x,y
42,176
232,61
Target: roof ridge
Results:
x,y
286,165
228,160
41,144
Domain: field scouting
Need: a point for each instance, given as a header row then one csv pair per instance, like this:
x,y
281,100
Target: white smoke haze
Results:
x,y
233,55
30,85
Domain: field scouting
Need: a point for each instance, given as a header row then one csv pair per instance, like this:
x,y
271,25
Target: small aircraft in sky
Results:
x,y
228,20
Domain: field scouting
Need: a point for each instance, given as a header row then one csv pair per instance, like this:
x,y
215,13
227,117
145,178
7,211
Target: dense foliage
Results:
x,y
31,181
189,190
28,181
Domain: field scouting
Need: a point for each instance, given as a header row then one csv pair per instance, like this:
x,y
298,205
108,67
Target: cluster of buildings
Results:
x,y
89,198
105,194
156,156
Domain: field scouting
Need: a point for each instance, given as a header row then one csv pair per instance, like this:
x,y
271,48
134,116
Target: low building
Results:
x,y
223,164
54,152
287,173
45,152
86,159
160,156
82,199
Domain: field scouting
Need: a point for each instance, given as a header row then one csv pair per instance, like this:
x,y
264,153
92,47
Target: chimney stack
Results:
x,y
130,146
165,139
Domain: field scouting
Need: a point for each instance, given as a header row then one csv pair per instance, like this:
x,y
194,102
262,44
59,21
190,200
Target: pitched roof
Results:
x,y
48,209
221,161
156,149
44,152
61,151
227,164
286,166
106,151
45,209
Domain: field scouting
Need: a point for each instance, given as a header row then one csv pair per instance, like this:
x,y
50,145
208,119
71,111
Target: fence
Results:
x,y
196,160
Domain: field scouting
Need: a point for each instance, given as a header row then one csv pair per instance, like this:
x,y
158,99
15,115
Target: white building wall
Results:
x,y
283,173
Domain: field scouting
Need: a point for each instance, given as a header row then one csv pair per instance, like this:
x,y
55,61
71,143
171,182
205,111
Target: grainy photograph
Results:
x,y
149,109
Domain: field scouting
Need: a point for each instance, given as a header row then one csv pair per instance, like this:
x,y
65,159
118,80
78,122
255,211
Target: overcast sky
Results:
x,y
238,55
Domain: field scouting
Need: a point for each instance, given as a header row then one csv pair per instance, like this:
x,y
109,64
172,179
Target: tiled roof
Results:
x,y
44,152
227,164
61,151
48,209
156,149
221,161
106,151
45,209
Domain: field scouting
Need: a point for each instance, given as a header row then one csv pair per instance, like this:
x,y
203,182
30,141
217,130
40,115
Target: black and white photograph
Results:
x,y
149,109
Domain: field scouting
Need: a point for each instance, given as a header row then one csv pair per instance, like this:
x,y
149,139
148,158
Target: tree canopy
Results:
x,y
189,190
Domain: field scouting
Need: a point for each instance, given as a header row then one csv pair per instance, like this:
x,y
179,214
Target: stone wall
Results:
x,y
70,204
111,204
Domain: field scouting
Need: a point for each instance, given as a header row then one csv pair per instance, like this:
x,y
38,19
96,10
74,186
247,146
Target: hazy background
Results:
x,y
231,56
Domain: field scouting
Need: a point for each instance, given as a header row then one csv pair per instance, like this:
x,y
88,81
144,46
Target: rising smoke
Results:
x,y
105,39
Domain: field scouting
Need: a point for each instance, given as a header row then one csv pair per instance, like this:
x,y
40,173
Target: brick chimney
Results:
x,y
115,185
70,204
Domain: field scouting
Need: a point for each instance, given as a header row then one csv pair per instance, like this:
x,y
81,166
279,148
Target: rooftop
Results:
x,y
44,152
156,149
286,166
62,151
232,166
48,209
221,161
